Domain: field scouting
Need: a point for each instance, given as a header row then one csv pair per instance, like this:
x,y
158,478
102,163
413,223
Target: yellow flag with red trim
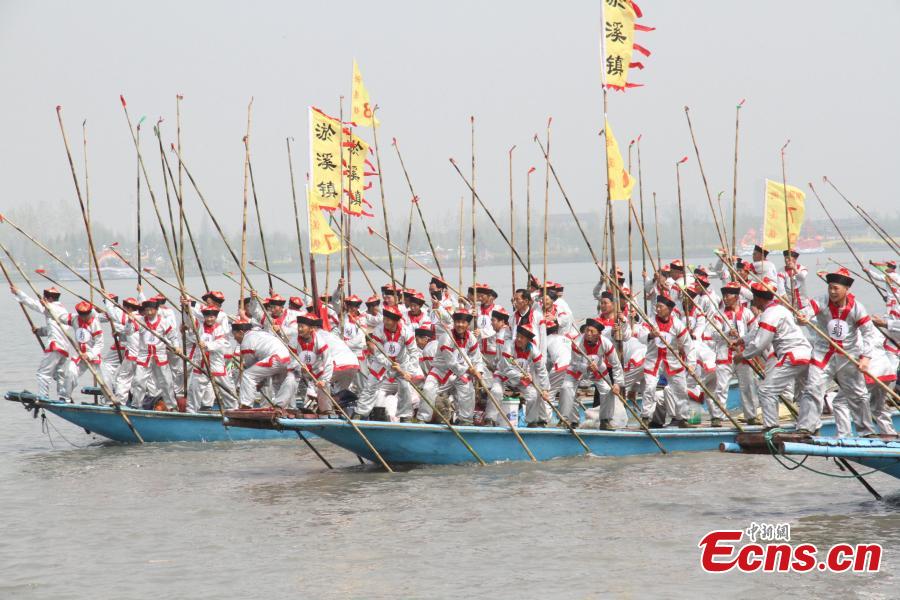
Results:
x,y
620,181
322,240
362,109
779,223
325,159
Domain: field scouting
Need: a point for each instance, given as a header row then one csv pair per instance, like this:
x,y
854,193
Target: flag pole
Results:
x,y
723,239
474,239
138,204
630,210
656,225
512,221
387,228
459,251
641,201
787,213
296,213
546,209
684,302
87,200
737,124
528,220
244,213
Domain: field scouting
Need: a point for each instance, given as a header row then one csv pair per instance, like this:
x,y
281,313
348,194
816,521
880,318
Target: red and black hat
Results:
x,y
213,296
310,319
160,299
417,297
660,299
676,265
131,303
373,300
52,292
353,300
763,289
462,314
391,312
210,309
241,325
793,253
275,300
595,323
525,331
150,303
500,313
482,288
841,276
295,302
608,295
113,297
732,287
438,283
425,332
84,307
758,248
390,288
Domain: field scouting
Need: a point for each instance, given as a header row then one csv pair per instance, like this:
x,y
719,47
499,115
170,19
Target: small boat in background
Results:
x,y
153,426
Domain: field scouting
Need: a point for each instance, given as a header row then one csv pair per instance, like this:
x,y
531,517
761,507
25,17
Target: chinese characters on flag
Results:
x,y
324,158
322,240
775,225
618,42
363,113
620,181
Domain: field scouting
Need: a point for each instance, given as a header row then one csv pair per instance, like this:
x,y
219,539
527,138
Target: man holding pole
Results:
x,y
671,329
449,363
845,320
594,357
54,364
516,370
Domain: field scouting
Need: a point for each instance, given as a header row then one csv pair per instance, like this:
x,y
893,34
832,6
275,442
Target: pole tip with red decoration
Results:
x,y
371,231
741,103
393,141
682,161
122,100
40,271
452,161
531,170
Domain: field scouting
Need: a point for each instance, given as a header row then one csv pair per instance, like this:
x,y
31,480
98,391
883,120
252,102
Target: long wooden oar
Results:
x,y
77,348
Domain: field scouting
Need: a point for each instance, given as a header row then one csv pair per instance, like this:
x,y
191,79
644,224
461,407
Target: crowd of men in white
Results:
x,y
403,352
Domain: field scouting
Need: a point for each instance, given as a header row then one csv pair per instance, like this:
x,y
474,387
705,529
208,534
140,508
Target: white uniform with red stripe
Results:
x,y
565,318
153,359
593,363
633,355
535,318
558,359
131,343
776,329
659,358
265,356
88,335
882,367
492,344
516,370
382,379
849,327
114,354
54,364
449,363
201,394
794,281
738,321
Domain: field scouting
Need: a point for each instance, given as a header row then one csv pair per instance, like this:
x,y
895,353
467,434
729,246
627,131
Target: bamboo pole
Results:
x,y
656,225
737,122
546,208
512,221
681,231
644,249
528,220
787,214
24,310
474,240
244,214
722,237
884,235
415,201
387,228
296,212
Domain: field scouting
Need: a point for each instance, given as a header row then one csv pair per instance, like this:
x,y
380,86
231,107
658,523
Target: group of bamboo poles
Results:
x,y
174,241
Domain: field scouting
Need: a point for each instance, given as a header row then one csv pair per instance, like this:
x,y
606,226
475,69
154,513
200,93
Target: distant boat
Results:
x,y
154,426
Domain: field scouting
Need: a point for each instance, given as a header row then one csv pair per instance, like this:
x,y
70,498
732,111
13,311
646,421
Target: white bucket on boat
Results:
x,y
510,408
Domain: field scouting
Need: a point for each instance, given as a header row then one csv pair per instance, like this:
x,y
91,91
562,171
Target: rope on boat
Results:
x,y
797,464
46,424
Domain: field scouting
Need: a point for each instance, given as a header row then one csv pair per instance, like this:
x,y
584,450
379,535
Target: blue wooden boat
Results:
x,y
154,426
874,453
414,443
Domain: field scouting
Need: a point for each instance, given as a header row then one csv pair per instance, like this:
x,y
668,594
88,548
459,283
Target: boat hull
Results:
x,y
407,443
154,426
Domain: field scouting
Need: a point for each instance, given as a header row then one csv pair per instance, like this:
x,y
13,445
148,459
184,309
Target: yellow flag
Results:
x,y
363,113
322,240
777,221
324,159
620,182
618,41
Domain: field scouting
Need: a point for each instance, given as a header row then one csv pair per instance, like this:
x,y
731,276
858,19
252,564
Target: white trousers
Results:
x,y
568,408
124,379
200,392
54,367
674,396
162,376
778,381
464,392
284,384
853,392
747,382
535,407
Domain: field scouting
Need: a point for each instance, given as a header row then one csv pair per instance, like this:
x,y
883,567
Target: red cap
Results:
x,y
51,291
374,299
525,330
275,299
295,302
391,312
353,299
84,307
214,295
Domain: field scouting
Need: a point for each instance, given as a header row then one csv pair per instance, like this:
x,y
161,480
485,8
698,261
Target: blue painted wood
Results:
x,y
154,426
408,443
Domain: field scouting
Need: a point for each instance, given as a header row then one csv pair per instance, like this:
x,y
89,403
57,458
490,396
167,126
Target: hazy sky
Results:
x,y
822,73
